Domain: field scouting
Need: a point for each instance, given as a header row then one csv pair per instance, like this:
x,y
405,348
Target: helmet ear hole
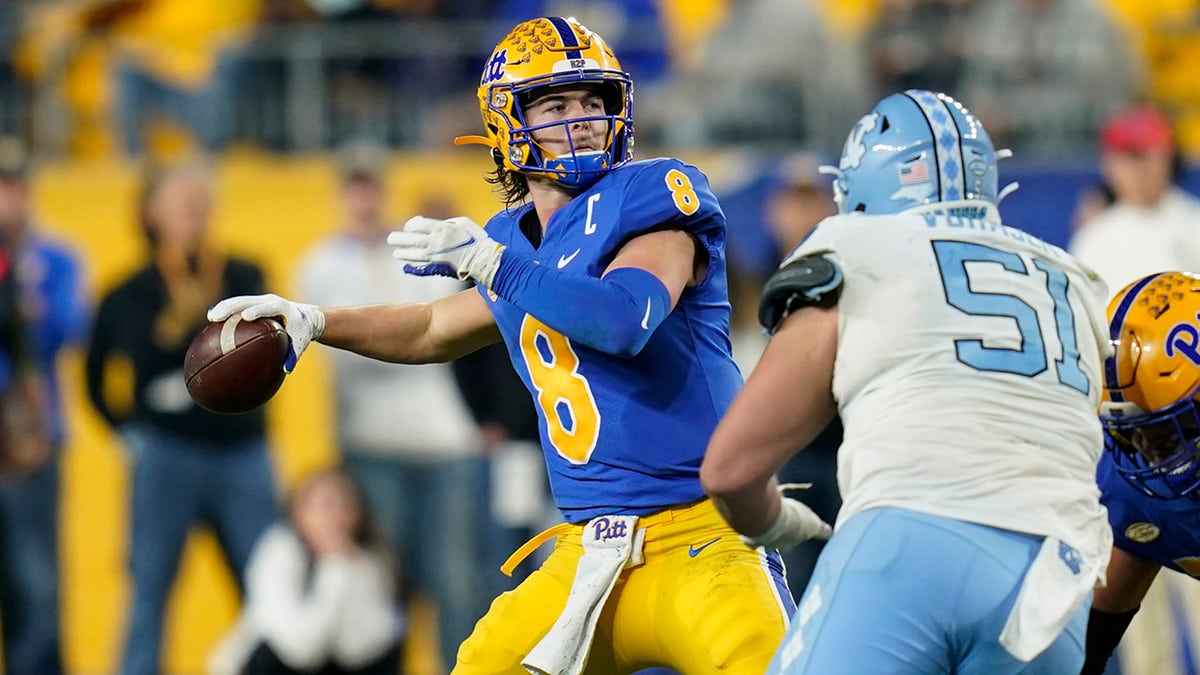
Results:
x,y
497,157
884,125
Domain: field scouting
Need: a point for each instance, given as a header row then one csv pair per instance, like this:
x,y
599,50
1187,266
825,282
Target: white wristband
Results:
x,y
795,524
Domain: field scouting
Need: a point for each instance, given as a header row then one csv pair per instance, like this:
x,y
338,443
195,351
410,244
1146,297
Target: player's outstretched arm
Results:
x,y
399,333
1114,605
784,405
615,314
434,332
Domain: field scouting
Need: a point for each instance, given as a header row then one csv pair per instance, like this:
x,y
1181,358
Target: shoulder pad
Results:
x,y
811,280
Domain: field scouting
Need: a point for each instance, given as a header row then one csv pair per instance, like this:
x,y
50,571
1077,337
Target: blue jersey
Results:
x,y
1166,531
625,435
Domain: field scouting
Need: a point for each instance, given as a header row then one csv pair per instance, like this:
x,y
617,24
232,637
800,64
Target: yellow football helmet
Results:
x,y
1152,384
551,52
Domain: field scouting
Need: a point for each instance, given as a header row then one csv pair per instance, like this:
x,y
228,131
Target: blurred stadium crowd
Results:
x,y
273,92
289,75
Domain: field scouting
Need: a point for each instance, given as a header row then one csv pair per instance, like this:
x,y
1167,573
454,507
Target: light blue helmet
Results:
x,y
914,149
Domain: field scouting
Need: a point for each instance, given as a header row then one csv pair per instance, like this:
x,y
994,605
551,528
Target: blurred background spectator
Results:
x,y
46,311
797,200
404,432
917,44
1043,75
518,501
1152,224
176,61
188,465
771,74
11,88
319,592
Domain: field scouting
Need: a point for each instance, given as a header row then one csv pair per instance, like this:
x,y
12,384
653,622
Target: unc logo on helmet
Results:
x,y
553,52
1152,383
914,149
855,149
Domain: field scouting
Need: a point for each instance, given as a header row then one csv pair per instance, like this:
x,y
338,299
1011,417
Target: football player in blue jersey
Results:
x,y
964,359
1148,476
605,279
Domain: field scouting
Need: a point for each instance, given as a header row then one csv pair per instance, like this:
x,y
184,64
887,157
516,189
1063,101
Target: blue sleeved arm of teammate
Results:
x,y
615,314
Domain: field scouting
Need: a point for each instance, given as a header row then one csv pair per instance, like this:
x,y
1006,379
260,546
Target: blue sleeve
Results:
x,y
669,194
615,314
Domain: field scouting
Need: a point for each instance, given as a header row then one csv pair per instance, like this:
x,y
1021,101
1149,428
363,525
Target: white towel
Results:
x,y
609,543
1054,586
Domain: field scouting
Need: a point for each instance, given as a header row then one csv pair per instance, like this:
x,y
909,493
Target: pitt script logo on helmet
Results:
x,y
552,52
919,150
1149,405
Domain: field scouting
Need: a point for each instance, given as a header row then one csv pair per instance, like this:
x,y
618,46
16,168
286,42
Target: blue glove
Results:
x,y
451,248
304,323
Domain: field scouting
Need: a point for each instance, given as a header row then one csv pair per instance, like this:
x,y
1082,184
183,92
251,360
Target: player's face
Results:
x,y
562,105
1161,441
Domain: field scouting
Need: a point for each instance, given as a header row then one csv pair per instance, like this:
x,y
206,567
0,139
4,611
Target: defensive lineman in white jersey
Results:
x,y
964,358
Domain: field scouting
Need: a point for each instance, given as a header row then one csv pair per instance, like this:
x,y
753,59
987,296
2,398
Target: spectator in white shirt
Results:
x,y
319,595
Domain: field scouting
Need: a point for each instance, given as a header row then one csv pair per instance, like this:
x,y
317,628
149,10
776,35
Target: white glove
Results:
x,y
304,323
451,248
795,525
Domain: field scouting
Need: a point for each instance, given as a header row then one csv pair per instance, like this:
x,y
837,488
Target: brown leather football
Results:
x,y
236,366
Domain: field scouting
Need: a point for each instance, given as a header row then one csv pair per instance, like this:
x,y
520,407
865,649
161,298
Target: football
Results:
x,y
236,366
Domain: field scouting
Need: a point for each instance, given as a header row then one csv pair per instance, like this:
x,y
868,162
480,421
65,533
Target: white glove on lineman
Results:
x,y
451,248
304,323
795,525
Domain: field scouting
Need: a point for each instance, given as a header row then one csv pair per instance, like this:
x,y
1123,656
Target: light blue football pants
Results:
x,y
901,592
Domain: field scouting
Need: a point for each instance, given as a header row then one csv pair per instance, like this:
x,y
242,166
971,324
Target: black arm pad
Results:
x,y
1104,631
811,280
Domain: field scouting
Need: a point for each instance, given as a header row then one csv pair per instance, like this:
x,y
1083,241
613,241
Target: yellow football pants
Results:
x,y
702,602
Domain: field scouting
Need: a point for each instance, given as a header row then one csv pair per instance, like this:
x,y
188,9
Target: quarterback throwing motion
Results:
x,y
605,278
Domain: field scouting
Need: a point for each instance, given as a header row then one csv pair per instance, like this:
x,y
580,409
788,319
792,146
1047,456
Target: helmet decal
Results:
x,y
1118,312
946,144
855,149
1176,344
494,70
570,44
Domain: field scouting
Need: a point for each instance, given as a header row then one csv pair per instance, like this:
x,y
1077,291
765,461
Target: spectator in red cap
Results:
x,y
1152,223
